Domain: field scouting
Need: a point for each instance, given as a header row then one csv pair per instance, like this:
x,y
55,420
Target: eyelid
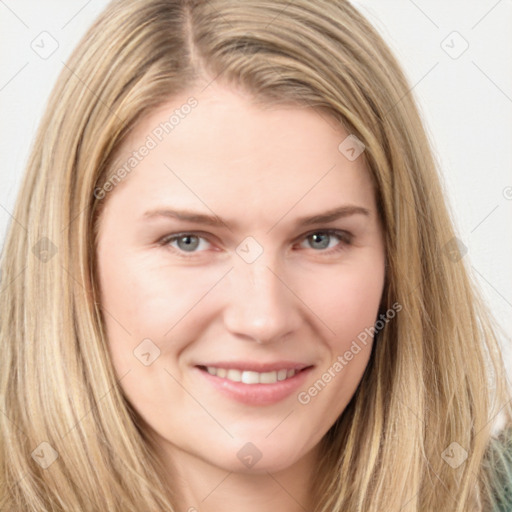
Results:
x,y
346,238
329,231
166,240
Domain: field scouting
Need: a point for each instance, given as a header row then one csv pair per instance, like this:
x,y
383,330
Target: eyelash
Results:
x,y
345,238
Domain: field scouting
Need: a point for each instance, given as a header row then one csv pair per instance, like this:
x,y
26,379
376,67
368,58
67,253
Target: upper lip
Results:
x,y
258,367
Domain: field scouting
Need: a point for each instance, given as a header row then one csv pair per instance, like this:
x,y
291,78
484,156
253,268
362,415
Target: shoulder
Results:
x,y
499,464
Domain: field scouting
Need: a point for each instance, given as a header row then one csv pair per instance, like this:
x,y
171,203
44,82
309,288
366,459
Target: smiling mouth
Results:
x,y
252,377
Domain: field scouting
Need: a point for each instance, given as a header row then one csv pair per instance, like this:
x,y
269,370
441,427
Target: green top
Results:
x,y
499,461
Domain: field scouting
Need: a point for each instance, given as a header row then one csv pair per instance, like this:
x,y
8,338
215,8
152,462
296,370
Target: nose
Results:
x,y
262,305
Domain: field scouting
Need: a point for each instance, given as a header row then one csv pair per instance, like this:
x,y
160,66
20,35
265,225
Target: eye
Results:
x,y
325,240
186,242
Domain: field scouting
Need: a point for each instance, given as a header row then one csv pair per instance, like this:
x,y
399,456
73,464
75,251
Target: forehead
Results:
x,y
228,150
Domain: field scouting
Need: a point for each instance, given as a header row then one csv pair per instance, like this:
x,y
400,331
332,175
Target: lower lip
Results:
x,y
257,394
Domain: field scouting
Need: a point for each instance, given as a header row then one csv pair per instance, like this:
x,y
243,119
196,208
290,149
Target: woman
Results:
x,y
240,286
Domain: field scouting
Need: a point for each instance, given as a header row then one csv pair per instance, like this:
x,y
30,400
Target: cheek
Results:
x,y
348,303
145,299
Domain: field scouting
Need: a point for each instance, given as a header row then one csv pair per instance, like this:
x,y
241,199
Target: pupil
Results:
x,y
188,243
320,241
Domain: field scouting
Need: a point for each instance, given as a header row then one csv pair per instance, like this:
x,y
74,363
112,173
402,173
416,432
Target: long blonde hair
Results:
x,y
435,376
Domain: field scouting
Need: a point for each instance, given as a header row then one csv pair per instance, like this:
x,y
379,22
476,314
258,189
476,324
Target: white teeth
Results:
x,y
281,374
269,377
234,375
250,377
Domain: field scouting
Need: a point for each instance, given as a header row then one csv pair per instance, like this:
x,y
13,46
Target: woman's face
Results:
x,y
240,257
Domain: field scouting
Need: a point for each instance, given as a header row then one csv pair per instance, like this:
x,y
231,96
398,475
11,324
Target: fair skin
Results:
x,y
299,304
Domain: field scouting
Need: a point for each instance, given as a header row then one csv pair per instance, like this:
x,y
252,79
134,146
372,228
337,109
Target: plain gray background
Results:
x,y
457,55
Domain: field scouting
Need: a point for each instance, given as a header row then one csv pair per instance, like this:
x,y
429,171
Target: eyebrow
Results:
x,y
216,221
